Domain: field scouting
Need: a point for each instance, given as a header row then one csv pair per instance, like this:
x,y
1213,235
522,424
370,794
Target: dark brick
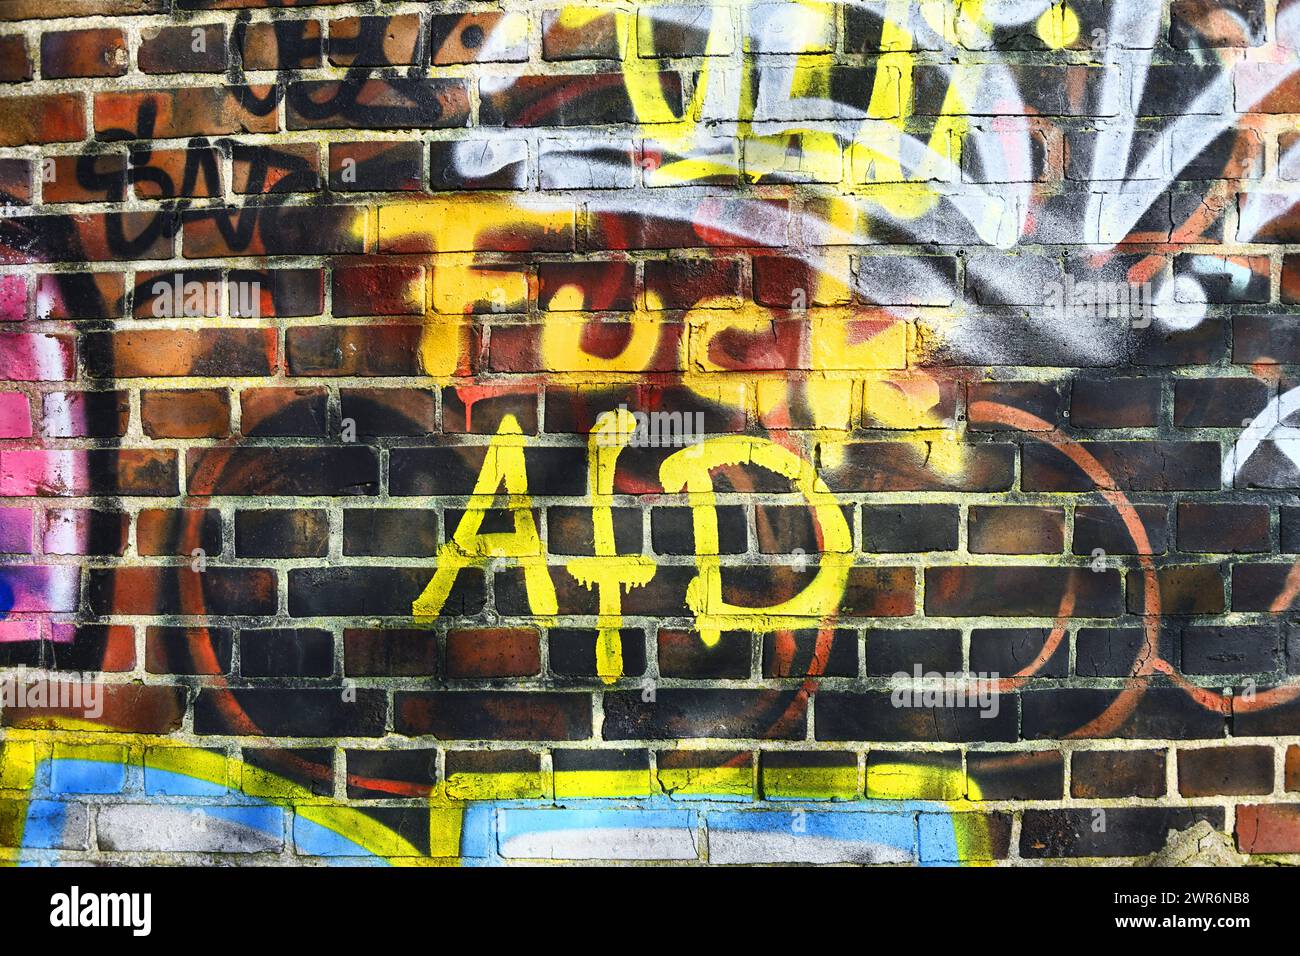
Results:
x,y
1043,400
1128,465
684,654
283,412
1188,589
1265,717
387,774
899,466
389,652
389,411
493,715
570,530
1101,774
1218,402
672,530
280,712
1105,527
376,166
185,650
909,528
1259,587
385,532
1015,775
573,652
1118,652
675,712
284,471
810,653
1160,712
681,283
372,590
1247,649
890,651
1266,339
1011,651
1115,402
453,471
1223,528
875,716
1289,529
1020,591
180,590
1225,771
1128,831
281,533
478,410
286,652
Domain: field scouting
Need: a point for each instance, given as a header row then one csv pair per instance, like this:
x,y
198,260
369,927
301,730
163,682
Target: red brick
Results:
x,y
203,353
195,413
192,48
283,412
998,529
169,173
53,118
375,41
77,53
62,179
493,652
379,290
1269,828
281,44
15,64
189,111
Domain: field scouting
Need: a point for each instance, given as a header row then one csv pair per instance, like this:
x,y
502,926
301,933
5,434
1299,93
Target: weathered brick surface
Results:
x,y
406,409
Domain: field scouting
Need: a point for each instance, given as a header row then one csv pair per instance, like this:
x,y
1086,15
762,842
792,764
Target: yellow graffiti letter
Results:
x,y
689,469
503,463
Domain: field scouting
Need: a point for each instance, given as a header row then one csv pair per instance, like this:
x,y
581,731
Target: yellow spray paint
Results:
x,y
609,572
690,469
503,465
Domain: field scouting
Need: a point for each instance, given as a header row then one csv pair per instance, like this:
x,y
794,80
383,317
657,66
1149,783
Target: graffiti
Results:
x,y
624,371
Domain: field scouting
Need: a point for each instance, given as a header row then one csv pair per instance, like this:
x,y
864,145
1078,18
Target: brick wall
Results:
x,y
749,432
